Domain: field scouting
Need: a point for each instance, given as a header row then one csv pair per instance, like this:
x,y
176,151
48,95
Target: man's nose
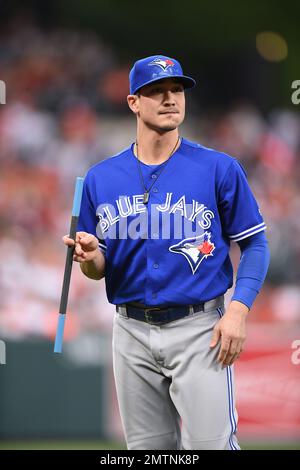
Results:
x,y
169,97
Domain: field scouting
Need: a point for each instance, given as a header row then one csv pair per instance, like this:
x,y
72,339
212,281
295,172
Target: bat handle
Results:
x,y
66,281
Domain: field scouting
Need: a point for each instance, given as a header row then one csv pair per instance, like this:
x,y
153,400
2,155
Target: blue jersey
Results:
x,y
175,249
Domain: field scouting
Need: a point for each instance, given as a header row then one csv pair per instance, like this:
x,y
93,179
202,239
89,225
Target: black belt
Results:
x,y
160,315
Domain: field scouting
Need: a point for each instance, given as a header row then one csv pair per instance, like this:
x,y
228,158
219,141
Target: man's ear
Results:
x,y
132,101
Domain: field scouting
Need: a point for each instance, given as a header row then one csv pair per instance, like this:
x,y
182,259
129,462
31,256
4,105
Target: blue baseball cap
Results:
x,y
154,68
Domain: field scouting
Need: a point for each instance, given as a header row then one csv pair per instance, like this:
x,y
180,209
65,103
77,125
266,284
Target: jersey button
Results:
x,y
153,176
155,190
155,266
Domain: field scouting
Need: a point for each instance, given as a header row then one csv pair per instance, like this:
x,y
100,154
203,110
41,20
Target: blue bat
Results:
x,y
68,267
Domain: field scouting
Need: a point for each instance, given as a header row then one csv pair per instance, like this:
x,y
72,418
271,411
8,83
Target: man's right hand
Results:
x,y
86,246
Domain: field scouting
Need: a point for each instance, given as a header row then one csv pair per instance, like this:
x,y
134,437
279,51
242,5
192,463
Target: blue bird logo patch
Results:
x,y
195,249
163,63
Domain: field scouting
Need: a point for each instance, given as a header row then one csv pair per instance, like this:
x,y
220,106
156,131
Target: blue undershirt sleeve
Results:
x,y
253,267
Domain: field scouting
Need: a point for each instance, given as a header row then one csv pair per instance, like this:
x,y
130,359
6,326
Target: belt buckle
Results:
x,y
146,312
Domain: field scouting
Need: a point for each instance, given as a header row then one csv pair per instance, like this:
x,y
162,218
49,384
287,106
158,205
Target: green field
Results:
x,y
106,445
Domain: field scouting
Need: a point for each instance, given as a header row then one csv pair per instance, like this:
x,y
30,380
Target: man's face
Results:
x,y
160,105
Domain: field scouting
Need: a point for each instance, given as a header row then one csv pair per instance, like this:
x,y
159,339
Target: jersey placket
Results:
x,y
151,244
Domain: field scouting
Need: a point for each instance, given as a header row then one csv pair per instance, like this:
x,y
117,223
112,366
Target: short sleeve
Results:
x,y
239,211
88,220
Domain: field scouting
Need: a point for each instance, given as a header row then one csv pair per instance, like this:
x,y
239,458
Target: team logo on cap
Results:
x,y
195,250
163,63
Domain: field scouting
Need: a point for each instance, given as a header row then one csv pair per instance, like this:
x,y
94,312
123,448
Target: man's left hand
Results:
x,y
231,331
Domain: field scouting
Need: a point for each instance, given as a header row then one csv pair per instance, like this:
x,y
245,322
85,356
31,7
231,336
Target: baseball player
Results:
x,y
156,221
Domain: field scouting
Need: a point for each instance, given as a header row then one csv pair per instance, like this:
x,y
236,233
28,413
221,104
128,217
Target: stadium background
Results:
x,y
65,65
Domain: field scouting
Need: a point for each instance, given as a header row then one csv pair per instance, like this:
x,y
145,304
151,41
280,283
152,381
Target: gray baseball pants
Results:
x,y
172,393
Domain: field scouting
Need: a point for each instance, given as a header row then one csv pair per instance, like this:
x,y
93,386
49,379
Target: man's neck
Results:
x,y
154,149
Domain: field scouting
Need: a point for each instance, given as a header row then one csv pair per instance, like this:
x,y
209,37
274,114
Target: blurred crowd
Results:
x,y
65,110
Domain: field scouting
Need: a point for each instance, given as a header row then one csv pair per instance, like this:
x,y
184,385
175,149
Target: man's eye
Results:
x,y
156,90
178,90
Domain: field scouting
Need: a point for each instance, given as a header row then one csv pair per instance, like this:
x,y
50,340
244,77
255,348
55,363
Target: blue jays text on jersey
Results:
x,y
110,220
176,251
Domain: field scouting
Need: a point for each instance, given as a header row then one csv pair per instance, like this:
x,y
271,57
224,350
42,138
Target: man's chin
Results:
x,y
168,128
170,124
